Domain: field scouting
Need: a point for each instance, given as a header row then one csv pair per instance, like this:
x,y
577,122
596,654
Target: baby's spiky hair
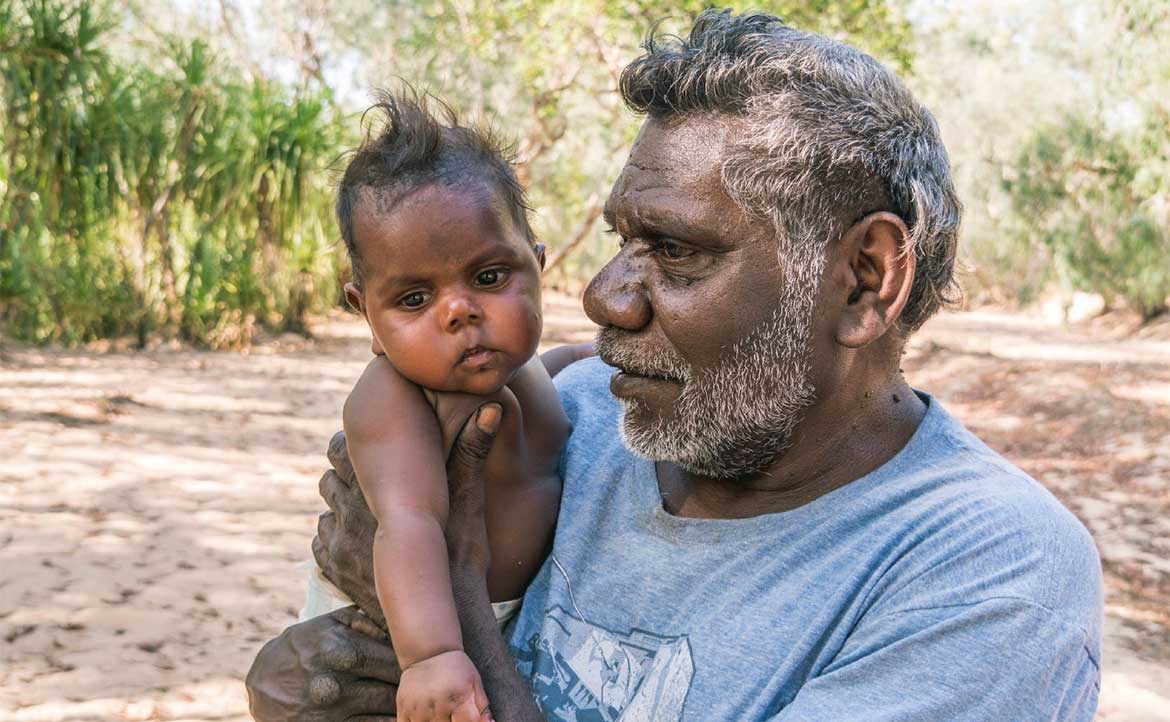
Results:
x,y
410,149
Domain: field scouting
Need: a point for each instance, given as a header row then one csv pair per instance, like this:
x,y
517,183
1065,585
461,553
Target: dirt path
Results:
x,y
142,494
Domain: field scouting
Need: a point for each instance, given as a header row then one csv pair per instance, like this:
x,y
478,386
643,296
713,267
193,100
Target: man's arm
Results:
x,y
557,359
467,547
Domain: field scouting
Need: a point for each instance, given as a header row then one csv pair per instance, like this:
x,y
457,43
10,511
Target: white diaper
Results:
x,y
322,597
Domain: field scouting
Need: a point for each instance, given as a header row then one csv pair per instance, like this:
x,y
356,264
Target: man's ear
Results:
x,y
356,301
539,249
874,274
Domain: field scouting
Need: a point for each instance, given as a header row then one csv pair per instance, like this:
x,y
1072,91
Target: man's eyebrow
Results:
x,y
661,223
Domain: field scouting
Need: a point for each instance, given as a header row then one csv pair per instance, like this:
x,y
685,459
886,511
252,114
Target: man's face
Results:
x,y
713,346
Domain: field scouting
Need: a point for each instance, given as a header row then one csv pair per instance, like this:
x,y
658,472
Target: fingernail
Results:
x,y
488,418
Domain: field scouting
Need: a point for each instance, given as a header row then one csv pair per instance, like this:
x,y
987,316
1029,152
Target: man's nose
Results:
x,y
617,295
458,311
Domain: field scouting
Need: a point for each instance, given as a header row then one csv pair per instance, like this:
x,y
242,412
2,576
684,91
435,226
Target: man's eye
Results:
x,y
674,251
610,230
415,299
491,277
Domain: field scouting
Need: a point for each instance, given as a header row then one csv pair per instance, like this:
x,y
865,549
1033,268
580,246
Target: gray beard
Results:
x,y
733,420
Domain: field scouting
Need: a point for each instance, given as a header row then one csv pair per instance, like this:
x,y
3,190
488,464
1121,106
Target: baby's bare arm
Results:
x,y
395,446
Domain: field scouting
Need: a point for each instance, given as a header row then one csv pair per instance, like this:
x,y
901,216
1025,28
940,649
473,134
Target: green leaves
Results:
x,y
170,199
1097,200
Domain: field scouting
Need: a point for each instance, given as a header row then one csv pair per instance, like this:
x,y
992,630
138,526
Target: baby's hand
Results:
x,y
443,688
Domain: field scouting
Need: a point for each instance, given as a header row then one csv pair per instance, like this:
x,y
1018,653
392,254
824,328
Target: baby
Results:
x,y
447,275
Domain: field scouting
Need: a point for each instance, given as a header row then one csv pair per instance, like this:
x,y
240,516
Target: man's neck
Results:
x,y
839,439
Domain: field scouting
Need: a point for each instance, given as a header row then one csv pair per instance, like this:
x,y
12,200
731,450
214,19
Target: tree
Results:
x,y
1097,201
1054,112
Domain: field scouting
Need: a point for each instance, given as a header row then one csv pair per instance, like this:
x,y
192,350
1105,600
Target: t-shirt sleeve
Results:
x,y
999,659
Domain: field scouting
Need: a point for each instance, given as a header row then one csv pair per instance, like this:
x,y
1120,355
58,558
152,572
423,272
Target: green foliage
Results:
x,y
172,187
173,198
1098,204
1055,116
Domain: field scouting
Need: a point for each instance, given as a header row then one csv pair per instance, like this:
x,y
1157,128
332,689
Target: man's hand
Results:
x,y
344,545
328,669
467,542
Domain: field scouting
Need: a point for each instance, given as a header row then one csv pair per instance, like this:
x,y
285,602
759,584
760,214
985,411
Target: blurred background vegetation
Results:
x,y
166,167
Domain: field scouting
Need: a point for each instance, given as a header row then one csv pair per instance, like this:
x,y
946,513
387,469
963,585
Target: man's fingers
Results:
x,y
357,654
339,458
326,525
369,627
474,442
345,616
319,553
370,698
376,659
329,486
324,690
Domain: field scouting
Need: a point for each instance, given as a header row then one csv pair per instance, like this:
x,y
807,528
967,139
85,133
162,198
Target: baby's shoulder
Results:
x,y
545,422
380,378
379,389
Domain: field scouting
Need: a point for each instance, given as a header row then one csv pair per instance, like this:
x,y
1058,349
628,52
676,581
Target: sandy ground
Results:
x,y
154,506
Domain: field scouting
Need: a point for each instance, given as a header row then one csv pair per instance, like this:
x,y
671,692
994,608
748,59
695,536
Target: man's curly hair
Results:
x,y
832,135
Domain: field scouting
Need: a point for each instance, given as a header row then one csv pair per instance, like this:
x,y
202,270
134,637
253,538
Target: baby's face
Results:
x,y
451,290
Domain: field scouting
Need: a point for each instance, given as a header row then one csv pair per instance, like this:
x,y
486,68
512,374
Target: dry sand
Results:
x,y
154,506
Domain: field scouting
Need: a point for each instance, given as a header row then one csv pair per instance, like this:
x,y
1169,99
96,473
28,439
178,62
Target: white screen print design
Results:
x,y
583,672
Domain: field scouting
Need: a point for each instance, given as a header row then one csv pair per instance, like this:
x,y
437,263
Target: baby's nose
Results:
x,y
461,311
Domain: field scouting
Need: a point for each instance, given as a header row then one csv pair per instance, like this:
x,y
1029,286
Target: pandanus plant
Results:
x,y
173,199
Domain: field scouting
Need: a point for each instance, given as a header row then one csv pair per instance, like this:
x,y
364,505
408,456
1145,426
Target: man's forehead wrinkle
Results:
x,y
646,166
687,180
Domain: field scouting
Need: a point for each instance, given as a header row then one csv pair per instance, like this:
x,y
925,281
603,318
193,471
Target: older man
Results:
x,y
783,529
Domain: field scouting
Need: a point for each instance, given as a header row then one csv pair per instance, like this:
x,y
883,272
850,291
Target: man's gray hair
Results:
x,y
832,135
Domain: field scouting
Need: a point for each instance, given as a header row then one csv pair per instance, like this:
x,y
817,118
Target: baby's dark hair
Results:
x,y
411,149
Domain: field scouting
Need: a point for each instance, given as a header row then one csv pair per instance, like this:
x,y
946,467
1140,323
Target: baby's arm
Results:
x,y
394,443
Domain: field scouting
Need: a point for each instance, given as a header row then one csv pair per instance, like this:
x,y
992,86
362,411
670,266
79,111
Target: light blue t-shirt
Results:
x,y
946,585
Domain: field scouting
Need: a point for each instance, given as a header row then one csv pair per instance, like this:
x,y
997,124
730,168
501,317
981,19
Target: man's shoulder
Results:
x,y
981,528
969,480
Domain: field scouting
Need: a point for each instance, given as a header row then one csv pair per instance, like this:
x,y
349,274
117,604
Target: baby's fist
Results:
x,y
443,688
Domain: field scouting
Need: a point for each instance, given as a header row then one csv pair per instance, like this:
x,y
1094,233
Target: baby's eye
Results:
x,y
491,277
415,299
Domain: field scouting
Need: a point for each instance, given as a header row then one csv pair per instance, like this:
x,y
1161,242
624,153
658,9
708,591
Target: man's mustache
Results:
x,y
627,351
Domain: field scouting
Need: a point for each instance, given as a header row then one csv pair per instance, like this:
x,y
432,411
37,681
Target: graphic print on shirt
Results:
x,y
582,672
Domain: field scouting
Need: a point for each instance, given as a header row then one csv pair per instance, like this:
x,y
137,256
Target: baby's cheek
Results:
x,y
520,323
